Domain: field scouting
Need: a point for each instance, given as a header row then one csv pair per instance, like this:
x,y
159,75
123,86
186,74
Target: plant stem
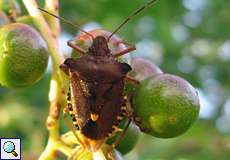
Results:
x,y
46,32
50,150
52,6
56,84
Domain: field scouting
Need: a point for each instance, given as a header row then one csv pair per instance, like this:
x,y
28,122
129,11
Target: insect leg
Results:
x,y
122,135
132,80
129,49
70,125
74,46
127,111
119,139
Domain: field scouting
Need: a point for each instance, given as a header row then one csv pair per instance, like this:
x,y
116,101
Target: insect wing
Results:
x,y
79,99
108,113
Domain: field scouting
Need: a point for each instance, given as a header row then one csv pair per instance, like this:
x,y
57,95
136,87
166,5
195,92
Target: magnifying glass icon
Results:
x,y
9,147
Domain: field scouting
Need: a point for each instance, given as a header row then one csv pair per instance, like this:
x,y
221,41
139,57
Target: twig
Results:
x,y
56,85
46,32
52,6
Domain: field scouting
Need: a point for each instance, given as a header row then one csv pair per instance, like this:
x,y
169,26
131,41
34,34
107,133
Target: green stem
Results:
x,y
52,147
56,85
46,32
52,6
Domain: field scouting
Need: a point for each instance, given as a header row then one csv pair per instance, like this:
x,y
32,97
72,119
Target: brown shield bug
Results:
x,y
96,101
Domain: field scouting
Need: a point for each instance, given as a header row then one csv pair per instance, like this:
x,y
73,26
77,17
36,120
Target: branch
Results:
x,y
52,6
57,84
46,32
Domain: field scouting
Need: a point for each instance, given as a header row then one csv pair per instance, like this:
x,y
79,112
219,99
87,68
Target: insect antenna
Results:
x,y
131,16
66,21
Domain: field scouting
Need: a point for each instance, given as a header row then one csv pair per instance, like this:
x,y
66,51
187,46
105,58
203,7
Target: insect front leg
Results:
x,y
129,49
77,48
132,80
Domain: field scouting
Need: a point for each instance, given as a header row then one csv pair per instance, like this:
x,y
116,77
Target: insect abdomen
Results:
x,y
107,115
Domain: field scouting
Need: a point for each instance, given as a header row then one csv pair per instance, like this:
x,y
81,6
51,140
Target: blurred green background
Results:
x,y
189,38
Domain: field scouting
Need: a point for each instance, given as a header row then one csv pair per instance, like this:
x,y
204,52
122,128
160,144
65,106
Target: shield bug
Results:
x,y
96,101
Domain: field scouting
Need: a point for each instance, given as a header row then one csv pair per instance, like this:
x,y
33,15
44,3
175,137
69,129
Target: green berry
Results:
x,y
27,20
129,141
143,68
166,105
23,55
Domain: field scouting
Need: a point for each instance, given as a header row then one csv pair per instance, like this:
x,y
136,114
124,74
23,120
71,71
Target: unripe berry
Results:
x,y
23,55
166,105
